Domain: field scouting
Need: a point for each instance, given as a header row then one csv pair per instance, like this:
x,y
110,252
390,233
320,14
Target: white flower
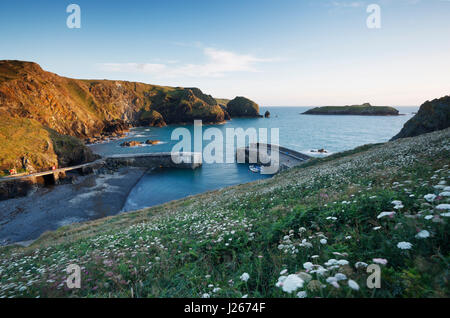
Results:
x,y
446,214
342,262
428,217
245,277
284,271
430,197
423,234
360,264
245,296
206,295
381,261
383,214
443,207
301,294
376,228
323,241
404,245
340,276
445,194
215,290
353,285
308,266
290,283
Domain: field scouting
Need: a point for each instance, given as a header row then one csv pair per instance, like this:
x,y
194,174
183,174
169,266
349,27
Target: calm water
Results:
x,y
299,132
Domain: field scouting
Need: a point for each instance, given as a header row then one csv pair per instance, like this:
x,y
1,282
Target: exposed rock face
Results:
x,y
432,115
152,142
87,109
267,114
132,143
243,107
364,110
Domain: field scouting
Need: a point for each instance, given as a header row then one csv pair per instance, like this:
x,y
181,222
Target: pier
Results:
x,y
262,154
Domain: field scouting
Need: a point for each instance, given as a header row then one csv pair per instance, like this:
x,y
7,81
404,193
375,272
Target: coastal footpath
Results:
x,y
45,117
362,110
310,231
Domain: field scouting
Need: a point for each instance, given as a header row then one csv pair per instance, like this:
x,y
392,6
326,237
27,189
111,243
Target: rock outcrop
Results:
x,y
40,102
243,107
364,110
432,115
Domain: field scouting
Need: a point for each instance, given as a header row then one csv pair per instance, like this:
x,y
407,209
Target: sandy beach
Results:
x,y
46,209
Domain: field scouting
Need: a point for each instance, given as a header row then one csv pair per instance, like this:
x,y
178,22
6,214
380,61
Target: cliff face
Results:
x,y
84,108
41,101
363,110
432,115
242,107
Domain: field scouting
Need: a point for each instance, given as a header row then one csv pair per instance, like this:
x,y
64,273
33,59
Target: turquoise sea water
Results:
x,y
298,132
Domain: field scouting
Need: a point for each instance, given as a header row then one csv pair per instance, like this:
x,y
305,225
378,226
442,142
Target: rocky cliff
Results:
x,y
243,107
432,115
87,108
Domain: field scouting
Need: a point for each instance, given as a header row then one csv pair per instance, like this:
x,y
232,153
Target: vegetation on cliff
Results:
x,y
28,146
87,108
242,107
365,110
432,115
308,232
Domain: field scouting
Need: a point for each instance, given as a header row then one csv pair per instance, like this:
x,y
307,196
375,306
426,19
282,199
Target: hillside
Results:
x,y
308,232
364,110
87,108
432,115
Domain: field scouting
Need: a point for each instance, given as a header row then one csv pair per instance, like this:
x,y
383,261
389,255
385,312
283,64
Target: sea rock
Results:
x,y
267,114
152,142
243,107
432,115
131,143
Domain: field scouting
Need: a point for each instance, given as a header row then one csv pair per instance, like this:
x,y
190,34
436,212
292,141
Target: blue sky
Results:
x,y
279,53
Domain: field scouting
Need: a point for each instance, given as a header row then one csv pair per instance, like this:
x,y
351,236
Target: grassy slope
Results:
x,y
256,228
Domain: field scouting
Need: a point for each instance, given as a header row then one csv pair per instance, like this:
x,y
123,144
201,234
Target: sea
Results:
x,y
303,133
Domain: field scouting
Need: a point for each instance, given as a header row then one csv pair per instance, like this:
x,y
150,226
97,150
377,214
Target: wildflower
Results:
x,y
290,283
423,234
301,294
308,266
383,214
376,228
342,262
428,217
340,276
245,277
443,207
353,285
323,241
206,295
333,281
215,290
444,194
245,296
446,214
430,197
381,261
284,271
404,245
360,265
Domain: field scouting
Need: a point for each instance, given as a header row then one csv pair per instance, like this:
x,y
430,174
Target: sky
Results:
x,y
276,52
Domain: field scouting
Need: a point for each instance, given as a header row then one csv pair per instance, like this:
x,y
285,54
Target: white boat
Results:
x,y
255,168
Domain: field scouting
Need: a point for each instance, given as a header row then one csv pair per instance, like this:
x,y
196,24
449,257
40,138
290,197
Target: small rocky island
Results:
x,y
365,109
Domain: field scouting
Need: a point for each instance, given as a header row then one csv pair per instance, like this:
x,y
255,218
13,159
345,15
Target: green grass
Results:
x,y
190,247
